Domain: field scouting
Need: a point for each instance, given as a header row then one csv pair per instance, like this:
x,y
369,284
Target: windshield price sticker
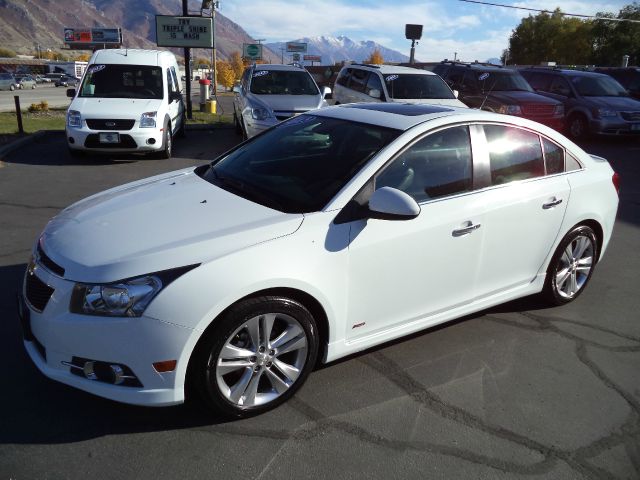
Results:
x,y
96,68
391,78
484,76
260,73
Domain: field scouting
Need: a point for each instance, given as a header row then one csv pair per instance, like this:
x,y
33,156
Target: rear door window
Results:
x,y
359,80
514,154
553,157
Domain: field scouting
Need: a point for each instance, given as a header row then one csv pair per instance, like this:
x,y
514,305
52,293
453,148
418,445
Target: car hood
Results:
x,y
517,97
617,103
449,102
164,222
289,103
130,108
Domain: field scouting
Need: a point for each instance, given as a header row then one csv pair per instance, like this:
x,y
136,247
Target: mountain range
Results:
x,y
26,25
339,49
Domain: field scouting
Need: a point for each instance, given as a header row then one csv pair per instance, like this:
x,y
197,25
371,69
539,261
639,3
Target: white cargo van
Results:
x,y
128,101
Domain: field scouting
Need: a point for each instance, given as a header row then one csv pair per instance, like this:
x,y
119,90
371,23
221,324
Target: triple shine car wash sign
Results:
x,y
191,32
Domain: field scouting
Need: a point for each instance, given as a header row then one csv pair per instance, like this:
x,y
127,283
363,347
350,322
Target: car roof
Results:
x,y
387,69
565,71
133,56
403,116
481,66
276,66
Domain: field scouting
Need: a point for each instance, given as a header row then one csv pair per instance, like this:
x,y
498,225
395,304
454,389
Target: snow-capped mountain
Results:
x,y
338,49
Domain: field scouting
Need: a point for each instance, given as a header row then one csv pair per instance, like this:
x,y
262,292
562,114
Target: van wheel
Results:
x,y
167,143
577,127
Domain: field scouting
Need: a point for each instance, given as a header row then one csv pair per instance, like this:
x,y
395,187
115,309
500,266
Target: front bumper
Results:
x,y
55,338
140,140
614,126
254,127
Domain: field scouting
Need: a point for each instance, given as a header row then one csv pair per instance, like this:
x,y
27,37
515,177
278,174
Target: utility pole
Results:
x,y
187,65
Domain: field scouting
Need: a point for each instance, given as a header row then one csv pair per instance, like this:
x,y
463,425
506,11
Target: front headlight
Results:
x,y
74,119
127,298
260,113
510,109
148,120
605,112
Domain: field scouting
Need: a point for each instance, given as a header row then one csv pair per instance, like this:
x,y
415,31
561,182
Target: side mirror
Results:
x,y
175,97
236,89
389,203
326,92
374,93
456,93
71,92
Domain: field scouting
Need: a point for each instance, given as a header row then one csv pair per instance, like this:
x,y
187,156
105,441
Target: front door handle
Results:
x,y
459,232
553,203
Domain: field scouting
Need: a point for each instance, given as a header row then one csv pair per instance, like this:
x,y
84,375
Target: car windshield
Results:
x,y
299,165
502,82
282,82
408,86
600,86
122,81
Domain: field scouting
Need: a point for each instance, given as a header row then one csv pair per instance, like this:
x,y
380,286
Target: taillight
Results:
x,y
616,182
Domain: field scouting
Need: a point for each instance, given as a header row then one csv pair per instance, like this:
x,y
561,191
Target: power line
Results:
x,y
593,17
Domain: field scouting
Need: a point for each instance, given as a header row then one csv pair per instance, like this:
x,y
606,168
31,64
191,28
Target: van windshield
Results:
x,y
122,81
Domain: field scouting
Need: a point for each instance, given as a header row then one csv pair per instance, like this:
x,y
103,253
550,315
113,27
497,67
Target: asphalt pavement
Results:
x,y
517,391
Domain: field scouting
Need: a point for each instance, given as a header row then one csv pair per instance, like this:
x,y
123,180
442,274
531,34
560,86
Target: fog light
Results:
x,y
166,366
118,374
72,140
151,141
89,371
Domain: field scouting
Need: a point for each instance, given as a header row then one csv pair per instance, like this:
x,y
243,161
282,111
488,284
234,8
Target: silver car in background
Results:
x,y
7,82
269,94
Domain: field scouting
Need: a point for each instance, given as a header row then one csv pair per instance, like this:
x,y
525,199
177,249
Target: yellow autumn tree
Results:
x,y
375,58
237,65
225,74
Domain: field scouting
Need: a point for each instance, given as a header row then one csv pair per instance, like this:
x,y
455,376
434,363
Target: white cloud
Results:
x,y
432,49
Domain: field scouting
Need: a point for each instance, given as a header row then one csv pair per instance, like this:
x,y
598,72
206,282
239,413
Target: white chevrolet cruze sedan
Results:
x,y
330,233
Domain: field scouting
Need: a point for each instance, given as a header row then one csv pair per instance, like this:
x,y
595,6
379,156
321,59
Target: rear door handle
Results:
x,y
553,203
459,232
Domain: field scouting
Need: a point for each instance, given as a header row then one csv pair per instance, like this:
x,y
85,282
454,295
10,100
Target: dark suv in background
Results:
x,y
628,77
500,90
594,102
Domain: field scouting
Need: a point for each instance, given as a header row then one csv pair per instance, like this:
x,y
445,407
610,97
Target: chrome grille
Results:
x,y
631,116
538,109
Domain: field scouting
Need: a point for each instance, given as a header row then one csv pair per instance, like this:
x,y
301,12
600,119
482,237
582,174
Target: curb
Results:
x,y
27,139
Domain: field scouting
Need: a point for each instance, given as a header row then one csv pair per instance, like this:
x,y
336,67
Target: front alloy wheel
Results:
x,y
258,355
571,266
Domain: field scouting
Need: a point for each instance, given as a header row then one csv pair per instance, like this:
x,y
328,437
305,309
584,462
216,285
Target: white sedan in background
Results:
x,y
335,231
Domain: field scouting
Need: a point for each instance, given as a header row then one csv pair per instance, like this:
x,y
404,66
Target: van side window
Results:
x,y
170,85
374,83
358,80
343,78
559,86
514,154
175,78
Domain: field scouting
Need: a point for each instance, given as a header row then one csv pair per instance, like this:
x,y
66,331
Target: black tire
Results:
x,y
167,143
237,124
291,320
577,126
557,288
181,131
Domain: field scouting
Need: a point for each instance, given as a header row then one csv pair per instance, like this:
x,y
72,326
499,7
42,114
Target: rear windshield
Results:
x,y
282,82
408,86
5,76
122,81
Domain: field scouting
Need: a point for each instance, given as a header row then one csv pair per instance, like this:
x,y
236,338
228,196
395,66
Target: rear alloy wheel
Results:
x,y
577,127
257,356
12,87
571,266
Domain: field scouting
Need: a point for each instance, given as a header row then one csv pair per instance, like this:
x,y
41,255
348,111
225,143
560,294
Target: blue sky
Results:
x,y
475,32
